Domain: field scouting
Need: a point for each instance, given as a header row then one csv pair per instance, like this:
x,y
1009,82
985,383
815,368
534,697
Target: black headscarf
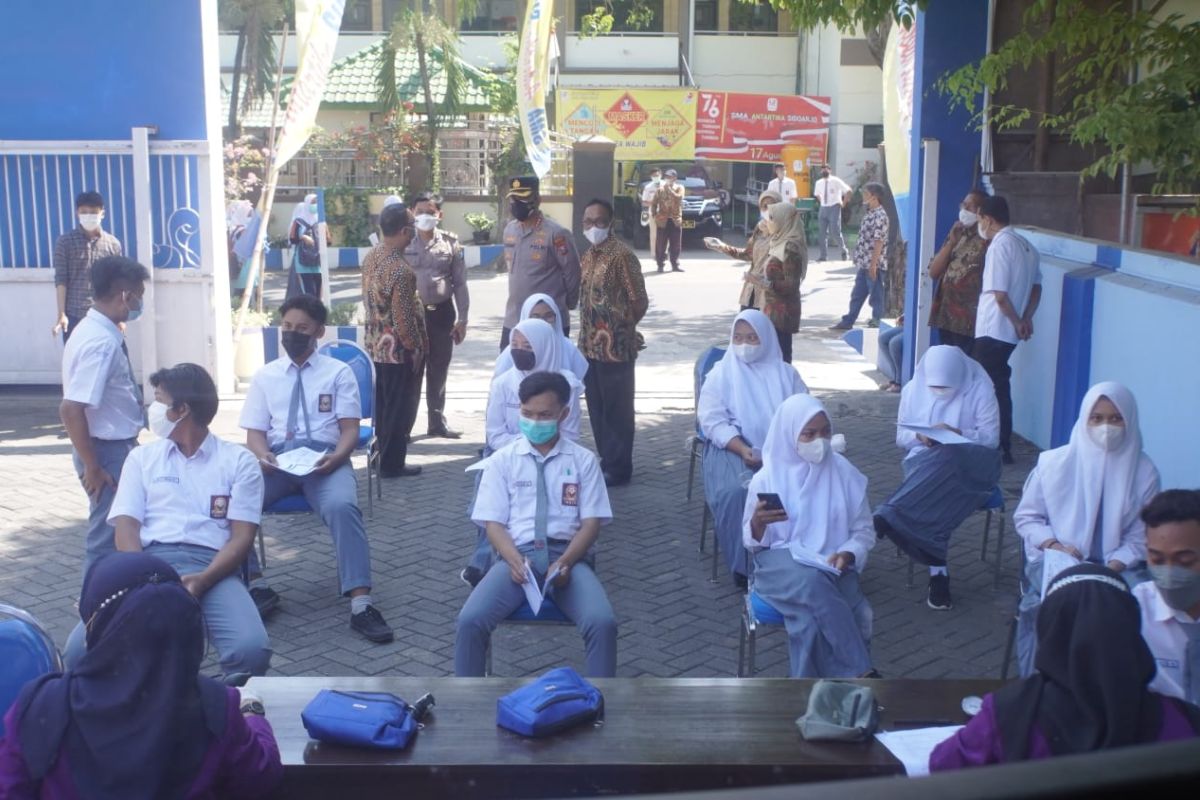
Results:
x,y
1093,667
133,718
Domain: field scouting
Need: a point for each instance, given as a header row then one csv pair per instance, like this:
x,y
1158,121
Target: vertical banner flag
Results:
x,y
899,70
317,26
533,61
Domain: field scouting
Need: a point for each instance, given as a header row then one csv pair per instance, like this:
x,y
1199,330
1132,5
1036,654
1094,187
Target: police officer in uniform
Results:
x,y
540,254
437,259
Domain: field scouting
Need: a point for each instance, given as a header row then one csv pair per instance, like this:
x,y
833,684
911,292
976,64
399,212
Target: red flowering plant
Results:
x,y
380,147
245,168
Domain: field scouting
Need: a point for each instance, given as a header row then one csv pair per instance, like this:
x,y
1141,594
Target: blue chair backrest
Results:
x,y
26,651
704,364
360,364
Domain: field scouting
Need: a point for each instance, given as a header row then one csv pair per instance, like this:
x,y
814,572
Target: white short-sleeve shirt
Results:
x,y
330,394
97,373
1010,266
1166,639
830,191
786,189
575,490
182,500
502,415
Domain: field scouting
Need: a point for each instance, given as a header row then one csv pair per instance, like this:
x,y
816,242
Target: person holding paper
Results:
x,y
737,401
1090,691
1084,499
305,399
809,555
950,425
542,500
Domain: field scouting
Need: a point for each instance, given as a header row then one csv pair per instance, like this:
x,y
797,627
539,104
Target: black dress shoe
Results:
x,y
676,268
443,433
371,625
265,599
403,472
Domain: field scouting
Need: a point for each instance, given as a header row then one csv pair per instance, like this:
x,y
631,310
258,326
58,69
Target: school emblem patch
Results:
x,y
570,494
325,403
218,506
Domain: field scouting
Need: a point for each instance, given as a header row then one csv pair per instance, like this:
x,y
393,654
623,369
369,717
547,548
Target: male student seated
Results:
x,y
1171,602
305,399
542,501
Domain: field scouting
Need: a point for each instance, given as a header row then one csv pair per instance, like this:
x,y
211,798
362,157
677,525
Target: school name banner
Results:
x,y
533,75
734,126
657,124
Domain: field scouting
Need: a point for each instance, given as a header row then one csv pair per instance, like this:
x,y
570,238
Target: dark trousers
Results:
x,y
964,343
864,289
439,321
609,394
993,354
397,398
505,333
669,234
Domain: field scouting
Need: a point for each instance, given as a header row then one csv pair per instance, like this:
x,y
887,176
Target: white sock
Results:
x,y
937,571
359,603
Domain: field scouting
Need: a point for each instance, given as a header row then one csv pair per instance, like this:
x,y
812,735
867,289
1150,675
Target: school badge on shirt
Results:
x,y
325,403
218,506
570,494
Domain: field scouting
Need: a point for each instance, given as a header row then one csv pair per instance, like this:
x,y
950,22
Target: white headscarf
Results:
x,y
545,343
569,356
303,212
822,499
239,213
1075,475
945,365
753,390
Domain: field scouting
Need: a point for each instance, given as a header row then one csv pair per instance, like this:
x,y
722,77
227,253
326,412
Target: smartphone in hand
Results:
x,y
773,501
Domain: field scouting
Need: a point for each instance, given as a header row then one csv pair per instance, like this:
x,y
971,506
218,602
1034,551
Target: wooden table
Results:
x,y
659,734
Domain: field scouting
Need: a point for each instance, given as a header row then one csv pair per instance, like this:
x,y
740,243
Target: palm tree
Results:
x,y
254,61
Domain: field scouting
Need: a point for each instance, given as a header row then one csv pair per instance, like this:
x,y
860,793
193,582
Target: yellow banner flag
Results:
x,y
532,74
317,26
645,123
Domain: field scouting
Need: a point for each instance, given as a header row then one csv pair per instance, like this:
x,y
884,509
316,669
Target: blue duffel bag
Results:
x,y
556,701
360,719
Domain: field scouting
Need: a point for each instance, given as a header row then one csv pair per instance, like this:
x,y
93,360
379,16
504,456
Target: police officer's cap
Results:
x,y
523,187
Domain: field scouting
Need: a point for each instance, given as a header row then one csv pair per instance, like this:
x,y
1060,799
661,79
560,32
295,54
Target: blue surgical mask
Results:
x,y
134,313
1179,586
538,431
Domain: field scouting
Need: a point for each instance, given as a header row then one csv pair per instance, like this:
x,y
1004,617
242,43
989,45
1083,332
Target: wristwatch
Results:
x,y
253,706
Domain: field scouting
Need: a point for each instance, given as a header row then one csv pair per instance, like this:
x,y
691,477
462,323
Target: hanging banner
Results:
x,y
533,70
655,124
732,126
317,26
899,71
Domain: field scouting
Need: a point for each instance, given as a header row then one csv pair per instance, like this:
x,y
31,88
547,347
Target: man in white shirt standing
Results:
x,y
1012,289
831,192
783,186
102,400
648,192
1171,601
305,399
542,499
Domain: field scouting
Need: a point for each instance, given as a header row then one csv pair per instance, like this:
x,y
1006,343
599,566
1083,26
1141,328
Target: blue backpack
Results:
x,y
556,701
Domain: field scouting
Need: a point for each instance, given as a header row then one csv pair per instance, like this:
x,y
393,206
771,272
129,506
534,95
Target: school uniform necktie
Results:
x,y
541,521
1191,662
292,441
137,387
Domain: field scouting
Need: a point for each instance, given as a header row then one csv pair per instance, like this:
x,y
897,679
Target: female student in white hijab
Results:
x,y
304,277
943,483
1082,502
809,554
542,306
737,401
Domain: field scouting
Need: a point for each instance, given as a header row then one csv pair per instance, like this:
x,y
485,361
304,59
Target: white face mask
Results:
x,y
747,352
1107,437
89,222
813,452
596,234
426,222
765,214
983,233
160,426
967,218
941,391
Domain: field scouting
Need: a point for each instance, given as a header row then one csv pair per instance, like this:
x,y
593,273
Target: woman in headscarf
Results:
x,y
808,555
737,401
949,424
1090,691
1083,500
133,720
755,251
304,277
542,306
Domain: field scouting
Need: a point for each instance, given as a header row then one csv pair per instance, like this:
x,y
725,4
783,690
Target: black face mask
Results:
x,y
520,210
295,343
523,359
825,174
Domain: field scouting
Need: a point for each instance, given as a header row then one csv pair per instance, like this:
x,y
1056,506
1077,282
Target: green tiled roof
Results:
x,y
352,80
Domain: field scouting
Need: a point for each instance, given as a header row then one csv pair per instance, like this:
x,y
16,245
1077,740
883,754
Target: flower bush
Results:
x,y
245,168
381,146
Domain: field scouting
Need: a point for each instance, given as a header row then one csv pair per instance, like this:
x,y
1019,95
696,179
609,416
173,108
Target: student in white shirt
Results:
x,y
551,527
102,400
195,502
1170,602
648,192
831,192
783,186
305,399
1084,499
1012,289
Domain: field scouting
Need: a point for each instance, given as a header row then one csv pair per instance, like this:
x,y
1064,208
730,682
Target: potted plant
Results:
x,y
481,225
249,357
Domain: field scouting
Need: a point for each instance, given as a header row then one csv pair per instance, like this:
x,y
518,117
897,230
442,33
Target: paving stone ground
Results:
x,y
673,620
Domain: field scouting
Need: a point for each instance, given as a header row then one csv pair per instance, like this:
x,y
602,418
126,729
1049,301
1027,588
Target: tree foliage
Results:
x,y
256,60
849,15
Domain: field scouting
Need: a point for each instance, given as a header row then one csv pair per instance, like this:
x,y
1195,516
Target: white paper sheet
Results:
x,y
299,462
533,595
940,435
1053,563
808,558
913,747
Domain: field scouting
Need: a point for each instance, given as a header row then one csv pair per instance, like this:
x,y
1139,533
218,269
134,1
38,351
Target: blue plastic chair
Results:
x,y
353,356
704,364
755,612
550,614
26,651
993,504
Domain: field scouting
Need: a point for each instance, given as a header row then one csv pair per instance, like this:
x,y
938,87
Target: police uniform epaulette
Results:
x,y
453,237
